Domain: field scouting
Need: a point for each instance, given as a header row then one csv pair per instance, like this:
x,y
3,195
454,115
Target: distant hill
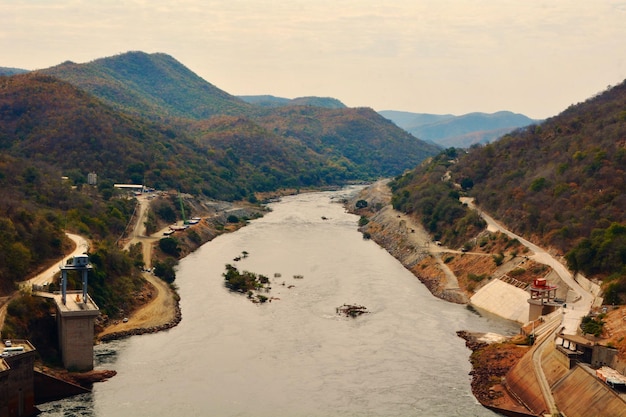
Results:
x,y
358,137
152,85
11,71
271,101
458,131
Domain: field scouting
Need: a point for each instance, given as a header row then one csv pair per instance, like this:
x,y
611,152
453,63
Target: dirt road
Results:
x,y
162,309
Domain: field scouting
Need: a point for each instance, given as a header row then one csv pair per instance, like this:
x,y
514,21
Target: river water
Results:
x,y
295,356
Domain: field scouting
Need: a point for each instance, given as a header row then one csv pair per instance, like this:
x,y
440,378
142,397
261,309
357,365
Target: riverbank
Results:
x,y
162,311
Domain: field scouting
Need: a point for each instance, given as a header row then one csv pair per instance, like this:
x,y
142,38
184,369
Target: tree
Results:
x,y
165,269
169,245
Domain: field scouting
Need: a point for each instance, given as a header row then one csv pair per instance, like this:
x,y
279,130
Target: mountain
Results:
x,y
561,183
458,131
152,85
159,87
271,101
11,71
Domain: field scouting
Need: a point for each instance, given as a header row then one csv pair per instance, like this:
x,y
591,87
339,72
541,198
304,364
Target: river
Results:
x,y
295,356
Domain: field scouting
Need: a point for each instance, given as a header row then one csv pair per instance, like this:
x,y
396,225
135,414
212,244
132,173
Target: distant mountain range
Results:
x,y
447,130
11,71
271,101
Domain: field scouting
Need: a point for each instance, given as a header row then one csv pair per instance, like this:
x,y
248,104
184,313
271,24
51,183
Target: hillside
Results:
x,y
458,131
351,137
49,121
561,184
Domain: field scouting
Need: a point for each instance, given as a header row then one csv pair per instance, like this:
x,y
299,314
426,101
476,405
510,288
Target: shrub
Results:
x,y
592,326
476,278
169,245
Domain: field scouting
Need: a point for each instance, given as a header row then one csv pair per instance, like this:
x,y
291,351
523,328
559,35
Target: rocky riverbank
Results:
x,y
405,239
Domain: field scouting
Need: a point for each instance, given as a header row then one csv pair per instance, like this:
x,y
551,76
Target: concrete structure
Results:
x,y
542,299
76,315
17,391
503,299
136,188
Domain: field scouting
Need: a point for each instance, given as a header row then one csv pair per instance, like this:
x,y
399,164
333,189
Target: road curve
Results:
x,y
82,246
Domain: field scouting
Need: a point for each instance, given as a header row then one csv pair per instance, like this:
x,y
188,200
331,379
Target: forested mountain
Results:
x,y
561,183
153,85
271,101
458,131
47,120
158,86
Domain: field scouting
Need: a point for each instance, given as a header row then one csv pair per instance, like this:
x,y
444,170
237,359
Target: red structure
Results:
x,y
541,299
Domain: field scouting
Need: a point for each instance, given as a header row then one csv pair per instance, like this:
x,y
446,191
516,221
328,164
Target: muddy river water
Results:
x,y
295,356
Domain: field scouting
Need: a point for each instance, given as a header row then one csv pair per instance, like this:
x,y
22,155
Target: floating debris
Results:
x,y
351,310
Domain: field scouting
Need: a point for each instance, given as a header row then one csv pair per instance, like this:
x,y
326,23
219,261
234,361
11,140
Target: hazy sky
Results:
x,y
428,56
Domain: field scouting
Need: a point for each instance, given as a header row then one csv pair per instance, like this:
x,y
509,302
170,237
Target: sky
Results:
x,y
534,57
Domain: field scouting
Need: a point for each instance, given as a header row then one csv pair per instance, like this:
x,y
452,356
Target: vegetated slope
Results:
x,y
151,85
561,184
427,193
356,137
272,101
47,120
560,180
458,131
261,160
50,121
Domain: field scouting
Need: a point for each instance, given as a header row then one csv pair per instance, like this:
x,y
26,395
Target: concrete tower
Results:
x,y
75,318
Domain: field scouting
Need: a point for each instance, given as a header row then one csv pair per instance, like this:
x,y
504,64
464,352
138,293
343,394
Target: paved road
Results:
x,y
582,302
82,245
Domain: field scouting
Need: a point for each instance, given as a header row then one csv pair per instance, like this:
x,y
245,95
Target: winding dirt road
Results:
x,y
162,308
